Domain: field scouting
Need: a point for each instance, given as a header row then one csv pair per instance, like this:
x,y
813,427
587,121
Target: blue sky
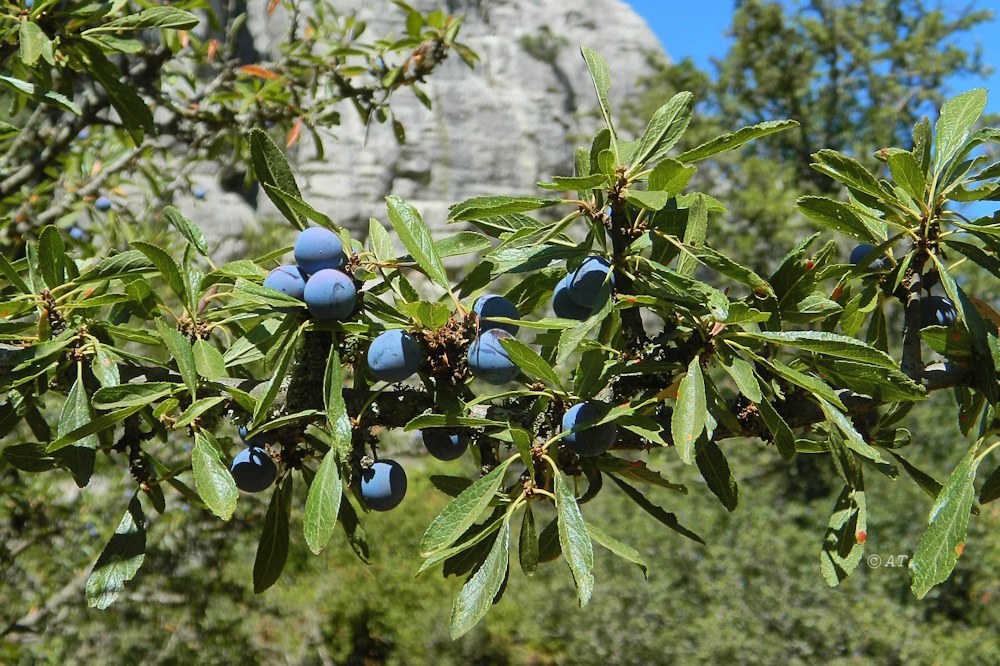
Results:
x,y
697,29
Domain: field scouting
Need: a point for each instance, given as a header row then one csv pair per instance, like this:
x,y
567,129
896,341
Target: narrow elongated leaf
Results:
x,y
154,17
848,171
212,480
715,469
958,116
76,413
574,540
527,547
842,547
735,139
687,423
944,540
132,395
470,546
40,94
907,174
853,438
830,344
333,400
742,373
52,256
322,503
530,362
12,275
417,239
837,216
94,426
134,113
274,384
167,267
695,234
187,228
34,43
601,76
29,457
488,208
668,519
478,593
622,550
180,350
271,168
462,511
209,361
197,408
120,560
272,551
665,128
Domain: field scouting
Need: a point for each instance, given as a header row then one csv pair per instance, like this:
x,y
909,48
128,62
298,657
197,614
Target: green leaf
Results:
x,y
380,241
726,266
829,344
575,540
848,171
154,17
735,139
472,547
187,228
527,547
132,395
575,183
322,503
121,558
462,511
12,275
622,550
944,540
907,174
52,256
209,361
651,199
837,216
668,519
417,239
272,551
97,425
29,457
478,593
854,440
695,234
34,43
601,77
197,408
212,480
484,208
530,362
687,423
443,420
958,116
333,400
665,128
133,111
928,483
842,548
40,94
180,350
76,413
167,267
274,384
572,337
742,373
670,177
271,168
715,469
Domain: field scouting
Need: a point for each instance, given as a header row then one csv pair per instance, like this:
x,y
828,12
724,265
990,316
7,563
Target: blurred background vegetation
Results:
x,y
857,74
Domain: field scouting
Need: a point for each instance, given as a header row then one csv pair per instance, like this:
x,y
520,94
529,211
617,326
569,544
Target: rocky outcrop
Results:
x,y
498,128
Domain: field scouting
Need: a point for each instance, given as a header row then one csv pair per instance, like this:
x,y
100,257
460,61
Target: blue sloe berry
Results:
x,y
287,279
937,311
318,248
585,282
330,294
591,441
563,304
383,485
445,445
491,305
103,203
253,470
489,360
876,263
394,355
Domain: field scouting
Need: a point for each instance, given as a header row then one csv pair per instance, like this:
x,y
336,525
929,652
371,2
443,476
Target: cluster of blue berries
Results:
x,y
317,276
576,294
252,468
